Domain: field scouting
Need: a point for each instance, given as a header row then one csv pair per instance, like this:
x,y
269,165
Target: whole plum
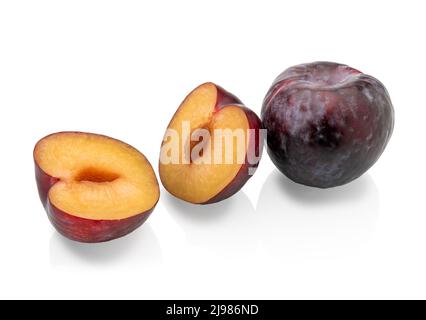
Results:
x,y
327,123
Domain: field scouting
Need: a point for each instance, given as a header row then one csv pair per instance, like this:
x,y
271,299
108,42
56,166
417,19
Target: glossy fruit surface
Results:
x,y
224,164
94,188
327,123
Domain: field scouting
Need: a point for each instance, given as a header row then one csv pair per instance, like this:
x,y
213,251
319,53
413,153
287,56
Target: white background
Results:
x,y
121,68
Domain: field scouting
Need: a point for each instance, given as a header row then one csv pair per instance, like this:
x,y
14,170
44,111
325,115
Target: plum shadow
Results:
x,y
225,229
310,196
300,221
198,213
140,246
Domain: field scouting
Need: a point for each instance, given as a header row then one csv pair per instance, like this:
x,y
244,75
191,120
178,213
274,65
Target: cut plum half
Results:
x,y
94,188
211,146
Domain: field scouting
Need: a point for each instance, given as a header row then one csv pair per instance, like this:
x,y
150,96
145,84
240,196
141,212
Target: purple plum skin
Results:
x,y
327,123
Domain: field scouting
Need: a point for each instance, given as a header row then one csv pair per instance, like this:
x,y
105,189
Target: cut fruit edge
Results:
x,y
66,185
214,102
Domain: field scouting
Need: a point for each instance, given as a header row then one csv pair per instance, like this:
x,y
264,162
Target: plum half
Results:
x,y
94,188
327,123
227,166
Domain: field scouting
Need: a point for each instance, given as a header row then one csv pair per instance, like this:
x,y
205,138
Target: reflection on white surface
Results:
x,y
297,220
291,220
225,229
141,247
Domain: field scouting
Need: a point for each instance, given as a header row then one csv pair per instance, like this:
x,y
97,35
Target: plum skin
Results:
x,y
327,123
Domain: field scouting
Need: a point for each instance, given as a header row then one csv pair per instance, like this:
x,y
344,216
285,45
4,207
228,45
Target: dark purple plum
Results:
x,y
327,123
